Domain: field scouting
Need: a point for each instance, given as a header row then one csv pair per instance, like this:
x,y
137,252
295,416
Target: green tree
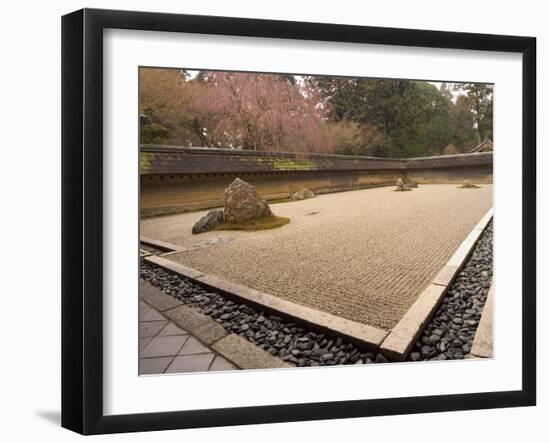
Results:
x,y
464,134
480,100
412,118
423,121
340,96
351,138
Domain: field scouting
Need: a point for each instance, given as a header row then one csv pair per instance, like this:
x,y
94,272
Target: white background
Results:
x,y
124,51
30,184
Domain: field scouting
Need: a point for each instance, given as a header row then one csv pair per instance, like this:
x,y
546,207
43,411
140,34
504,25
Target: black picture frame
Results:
x,y
82,218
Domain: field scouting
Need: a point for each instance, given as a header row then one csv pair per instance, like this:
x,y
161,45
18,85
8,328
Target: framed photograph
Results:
x,y
269,221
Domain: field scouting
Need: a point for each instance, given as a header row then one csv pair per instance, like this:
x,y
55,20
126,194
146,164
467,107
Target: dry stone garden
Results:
x,y
268,260
448,336
363,255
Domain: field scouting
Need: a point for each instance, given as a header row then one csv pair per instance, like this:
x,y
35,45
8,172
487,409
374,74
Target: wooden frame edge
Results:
x,y
82,362
72,376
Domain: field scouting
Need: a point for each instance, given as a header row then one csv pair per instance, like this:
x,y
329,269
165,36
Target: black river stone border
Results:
x,y
450,334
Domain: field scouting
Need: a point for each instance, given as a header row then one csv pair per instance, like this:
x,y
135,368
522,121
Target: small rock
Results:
x,y
468,184
427,350
208,222
433,339
302,194
401,186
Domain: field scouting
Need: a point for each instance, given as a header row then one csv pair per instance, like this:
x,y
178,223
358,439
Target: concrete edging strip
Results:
x,y
174,267
402,337
201,326
144,253
360,334
246,355
483,340
159,244
156,298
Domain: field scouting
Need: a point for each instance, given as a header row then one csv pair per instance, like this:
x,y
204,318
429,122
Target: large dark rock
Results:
x,y
209,221
243,203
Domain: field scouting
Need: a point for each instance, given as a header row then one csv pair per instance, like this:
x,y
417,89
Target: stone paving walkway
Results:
x,y
178,338
166,348
363,255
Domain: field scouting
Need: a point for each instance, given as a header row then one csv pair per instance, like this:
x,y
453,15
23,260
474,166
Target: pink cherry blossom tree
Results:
x,y
261,112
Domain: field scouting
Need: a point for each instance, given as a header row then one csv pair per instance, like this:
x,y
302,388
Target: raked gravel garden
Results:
x,y
449,335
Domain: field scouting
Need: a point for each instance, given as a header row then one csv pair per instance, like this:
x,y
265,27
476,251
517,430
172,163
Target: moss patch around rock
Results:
x,y
468,187
281,200
259,224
